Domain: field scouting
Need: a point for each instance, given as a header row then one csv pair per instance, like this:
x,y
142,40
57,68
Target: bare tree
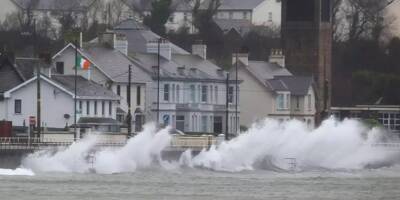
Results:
x,y
356,19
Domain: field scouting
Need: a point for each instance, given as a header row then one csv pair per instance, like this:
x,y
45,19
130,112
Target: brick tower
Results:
x,y
307,43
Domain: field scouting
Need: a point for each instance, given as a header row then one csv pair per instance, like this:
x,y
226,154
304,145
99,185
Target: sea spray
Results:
x,y
334,145
140,152
16,172
266,145
70,159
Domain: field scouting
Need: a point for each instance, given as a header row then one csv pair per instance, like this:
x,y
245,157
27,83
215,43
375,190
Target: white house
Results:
x,y
109,68
82,10
96,106
192,92
270,90
180,18
258,12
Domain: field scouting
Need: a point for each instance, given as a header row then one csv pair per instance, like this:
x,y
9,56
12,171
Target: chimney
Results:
x,y
200,49
242,57
117,41
277,57
181,70
165,48
121,43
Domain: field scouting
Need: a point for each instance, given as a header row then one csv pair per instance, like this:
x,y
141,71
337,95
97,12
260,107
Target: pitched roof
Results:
x,y
183,67
85,88
10,77
75,5
266,70
235,4
115,64
139,35
296,85
241,26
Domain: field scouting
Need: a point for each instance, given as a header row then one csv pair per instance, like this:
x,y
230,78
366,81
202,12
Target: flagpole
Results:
x,y
75,79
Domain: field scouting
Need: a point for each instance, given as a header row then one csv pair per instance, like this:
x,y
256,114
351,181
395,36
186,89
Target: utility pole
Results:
x,y
158,80
227,108
237,92
38,92
75,89
129,118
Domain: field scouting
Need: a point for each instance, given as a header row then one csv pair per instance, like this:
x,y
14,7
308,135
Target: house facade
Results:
x,y
180,18
109,66
192,92
269,90
258,12
57,104
84,12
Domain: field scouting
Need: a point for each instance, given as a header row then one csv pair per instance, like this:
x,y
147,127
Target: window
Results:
x,y
87,107
185,16
180,122
95,107
211,94
18,106
178,88
138,95
390,120
80,107
199,93
110,108
217,124
118,90
173,93
270,16
287,101
230,94
204,94
103,108
216,94
171,18
166,92
230,15
309,102
297,102
244,15
280,101
192,93
60,67
204,124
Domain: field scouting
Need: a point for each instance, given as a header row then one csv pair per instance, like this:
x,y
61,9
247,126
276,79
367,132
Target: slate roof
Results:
x,y
235,4
241,26
75,5
10,77
265,70
85,88
204,69
115,64
296,85
139,35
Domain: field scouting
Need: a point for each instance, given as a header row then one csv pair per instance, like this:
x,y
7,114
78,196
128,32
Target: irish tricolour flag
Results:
x,y
83,63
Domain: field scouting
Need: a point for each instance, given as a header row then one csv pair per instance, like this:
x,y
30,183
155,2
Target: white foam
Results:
x,y
139,152
266,145
16,172
334,145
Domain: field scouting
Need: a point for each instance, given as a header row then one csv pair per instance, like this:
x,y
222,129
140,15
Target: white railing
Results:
x,y
177,142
